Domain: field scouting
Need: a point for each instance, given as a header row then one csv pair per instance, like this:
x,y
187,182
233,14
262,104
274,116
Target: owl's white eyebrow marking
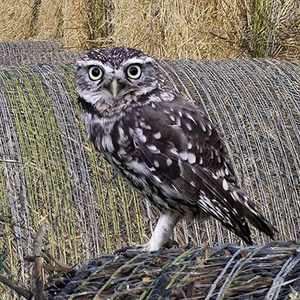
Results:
x,y
138,60
91,62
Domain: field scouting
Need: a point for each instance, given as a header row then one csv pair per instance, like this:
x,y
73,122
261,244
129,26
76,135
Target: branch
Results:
x,y
37,273
20,291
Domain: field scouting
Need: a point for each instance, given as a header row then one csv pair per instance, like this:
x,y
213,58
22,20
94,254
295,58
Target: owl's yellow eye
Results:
x,y
134,71
95,73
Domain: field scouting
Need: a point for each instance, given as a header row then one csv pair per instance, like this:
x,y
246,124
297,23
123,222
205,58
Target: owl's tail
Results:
x,y
230,205
254,216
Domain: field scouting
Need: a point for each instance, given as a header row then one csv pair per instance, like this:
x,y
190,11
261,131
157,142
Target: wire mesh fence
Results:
x,y
49,171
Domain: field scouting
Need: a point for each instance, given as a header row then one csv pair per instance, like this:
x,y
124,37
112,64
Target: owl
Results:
x,y
162,144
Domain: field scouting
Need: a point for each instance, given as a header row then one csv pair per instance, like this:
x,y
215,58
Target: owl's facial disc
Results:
x,y
117,82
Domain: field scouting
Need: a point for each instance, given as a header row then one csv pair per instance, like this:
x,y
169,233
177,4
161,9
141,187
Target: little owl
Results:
x,y
162,144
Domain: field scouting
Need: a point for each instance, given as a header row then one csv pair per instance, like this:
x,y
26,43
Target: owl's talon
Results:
x,y
123,250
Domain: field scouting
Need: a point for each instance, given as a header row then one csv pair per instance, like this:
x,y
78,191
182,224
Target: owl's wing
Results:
x,y
184,153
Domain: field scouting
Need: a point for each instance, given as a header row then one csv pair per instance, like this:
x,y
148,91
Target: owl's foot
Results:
x,y
145,248
161,235
150,246
134,250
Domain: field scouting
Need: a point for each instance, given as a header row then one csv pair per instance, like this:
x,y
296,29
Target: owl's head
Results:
x,y
110,79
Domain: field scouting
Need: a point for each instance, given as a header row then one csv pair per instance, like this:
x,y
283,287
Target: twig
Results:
x,y
20,291
61,266
38,283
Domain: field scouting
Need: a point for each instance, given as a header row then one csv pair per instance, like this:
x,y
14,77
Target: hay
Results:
x,y
224,272
180,29
16,20
22,53
166,29
50,172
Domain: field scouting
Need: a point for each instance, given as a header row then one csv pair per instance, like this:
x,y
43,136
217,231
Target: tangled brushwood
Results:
x,y
224,272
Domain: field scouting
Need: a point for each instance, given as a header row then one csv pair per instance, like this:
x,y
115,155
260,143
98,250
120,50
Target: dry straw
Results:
x,y
165,29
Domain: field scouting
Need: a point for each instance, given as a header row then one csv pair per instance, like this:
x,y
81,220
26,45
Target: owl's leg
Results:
x,y
162,231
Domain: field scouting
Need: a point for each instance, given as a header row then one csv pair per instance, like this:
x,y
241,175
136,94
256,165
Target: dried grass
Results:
x,y
170,28
224,272
165,29
48,20
276,26
15,20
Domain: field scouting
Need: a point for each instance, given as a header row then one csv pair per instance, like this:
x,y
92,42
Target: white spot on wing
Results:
x,y
153,149
174,151
143,138
157,135
191,158
226,171
225,185
183,155
172,118
144,125
188,126
169,162
139,131
220,173
156,178
130,131
190,117
140,134
138,167
235,195
202,126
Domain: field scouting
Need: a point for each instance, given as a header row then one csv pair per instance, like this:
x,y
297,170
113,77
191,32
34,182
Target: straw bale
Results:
x,y
224,272
16,20
50,172
177,29
25,53
74,24
47,19
180,29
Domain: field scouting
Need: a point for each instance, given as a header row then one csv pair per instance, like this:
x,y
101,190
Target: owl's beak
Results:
x,y
115,87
